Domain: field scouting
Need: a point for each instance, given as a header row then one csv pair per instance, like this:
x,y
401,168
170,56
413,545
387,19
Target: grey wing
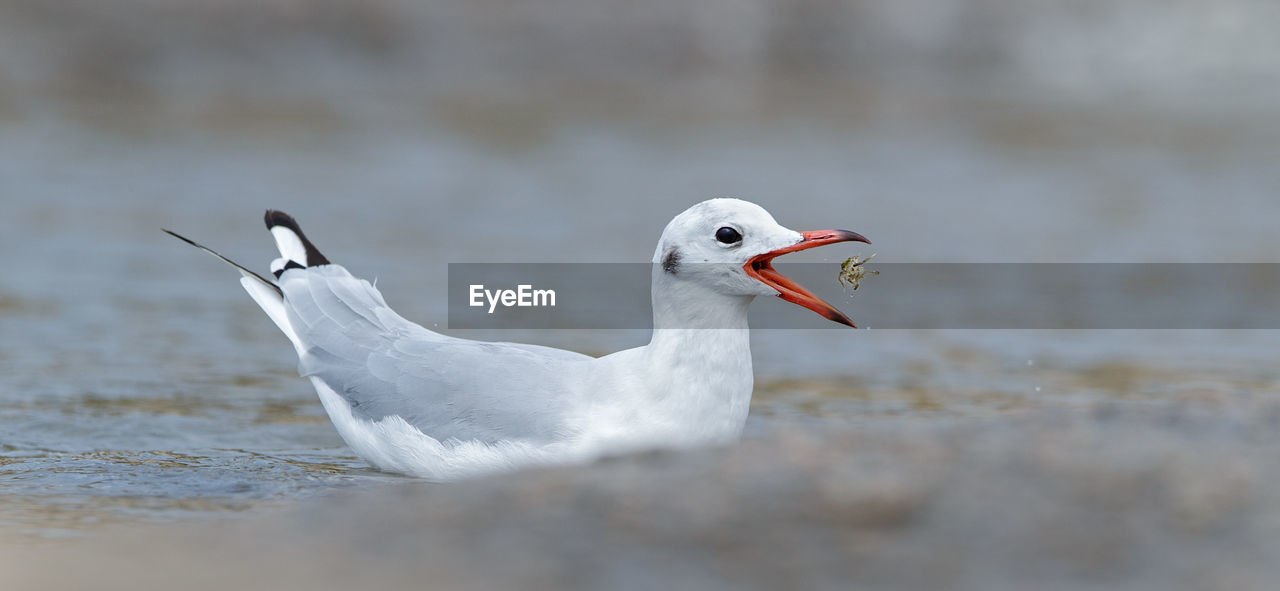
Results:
x,y
383,365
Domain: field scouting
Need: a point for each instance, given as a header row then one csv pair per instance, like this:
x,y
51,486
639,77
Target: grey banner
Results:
x,y
901,296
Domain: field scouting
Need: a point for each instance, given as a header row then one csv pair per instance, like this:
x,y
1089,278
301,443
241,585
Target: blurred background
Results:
x,y
977,130
137,382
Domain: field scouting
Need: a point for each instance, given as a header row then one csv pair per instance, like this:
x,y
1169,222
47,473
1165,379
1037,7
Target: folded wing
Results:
x,y
383,364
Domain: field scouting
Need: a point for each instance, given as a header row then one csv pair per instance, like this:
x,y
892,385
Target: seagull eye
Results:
x,y
728,235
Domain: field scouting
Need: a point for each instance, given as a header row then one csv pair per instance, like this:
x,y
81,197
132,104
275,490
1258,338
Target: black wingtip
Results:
x,y
287,265
180,237
276,217
226,260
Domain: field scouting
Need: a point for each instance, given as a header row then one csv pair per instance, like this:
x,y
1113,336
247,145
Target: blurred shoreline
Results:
x,y
149,64
1184,498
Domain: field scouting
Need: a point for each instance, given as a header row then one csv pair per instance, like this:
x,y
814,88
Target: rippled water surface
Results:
x,y
141,383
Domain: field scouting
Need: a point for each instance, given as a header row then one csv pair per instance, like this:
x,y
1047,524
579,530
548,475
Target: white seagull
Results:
x,y
413,401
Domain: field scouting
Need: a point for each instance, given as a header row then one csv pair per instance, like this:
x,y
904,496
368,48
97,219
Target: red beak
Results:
x,y
761,267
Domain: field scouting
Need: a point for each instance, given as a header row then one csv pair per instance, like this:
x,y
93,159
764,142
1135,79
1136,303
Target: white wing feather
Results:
x,y
450,389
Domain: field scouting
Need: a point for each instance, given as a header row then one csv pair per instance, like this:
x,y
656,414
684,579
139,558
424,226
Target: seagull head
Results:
x,y
728,246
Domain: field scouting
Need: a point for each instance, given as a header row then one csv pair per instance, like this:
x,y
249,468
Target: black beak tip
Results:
x,y
836,316
854,236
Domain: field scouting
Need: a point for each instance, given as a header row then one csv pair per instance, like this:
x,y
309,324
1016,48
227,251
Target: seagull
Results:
x,y
413,401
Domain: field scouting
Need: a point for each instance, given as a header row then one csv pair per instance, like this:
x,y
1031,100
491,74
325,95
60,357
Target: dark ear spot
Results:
x,y
671,261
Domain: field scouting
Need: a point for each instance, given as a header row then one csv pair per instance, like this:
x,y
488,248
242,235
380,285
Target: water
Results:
x,y
139,384
135,368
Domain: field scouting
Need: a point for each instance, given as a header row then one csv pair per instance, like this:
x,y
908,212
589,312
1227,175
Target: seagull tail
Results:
x,y
263,291
296,252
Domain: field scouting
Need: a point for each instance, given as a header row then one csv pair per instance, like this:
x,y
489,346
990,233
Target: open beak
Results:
x,y
761,267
